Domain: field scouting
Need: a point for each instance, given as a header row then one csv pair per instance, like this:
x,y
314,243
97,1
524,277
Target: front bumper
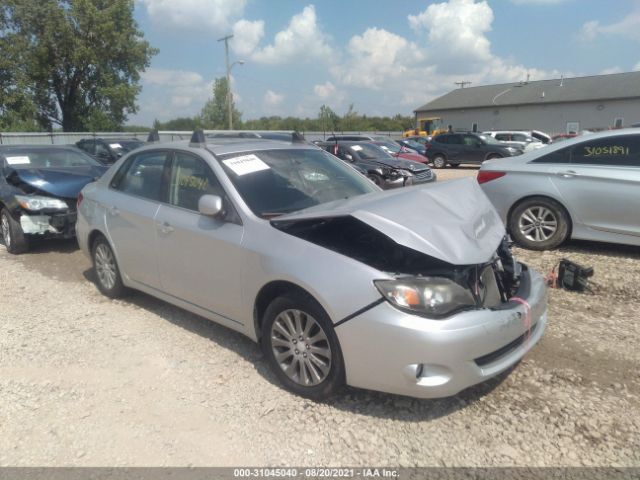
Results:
x,y
391,351
59,225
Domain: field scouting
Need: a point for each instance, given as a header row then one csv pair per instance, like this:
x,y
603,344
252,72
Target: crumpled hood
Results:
x,y
396,162
452,221
64,182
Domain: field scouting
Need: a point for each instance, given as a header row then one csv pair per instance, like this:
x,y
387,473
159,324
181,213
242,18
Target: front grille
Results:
x,y
506,350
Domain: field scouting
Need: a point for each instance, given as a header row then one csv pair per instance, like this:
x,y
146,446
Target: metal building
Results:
x,y
562,105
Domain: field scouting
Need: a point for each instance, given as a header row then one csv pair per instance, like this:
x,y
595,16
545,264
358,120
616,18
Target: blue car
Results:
x,y
39,187
413,145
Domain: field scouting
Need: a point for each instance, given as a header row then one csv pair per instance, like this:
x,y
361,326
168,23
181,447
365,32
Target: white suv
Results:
x,y
527,141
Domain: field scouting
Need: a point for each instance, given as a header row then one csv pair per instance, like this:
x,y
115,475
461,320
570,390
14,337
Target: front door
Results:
x,y
130,211
201,258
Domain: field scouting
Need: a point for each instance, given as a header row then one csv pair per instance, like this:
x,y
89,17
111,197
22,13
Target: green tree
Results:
x,y
79,61
329,120
215,113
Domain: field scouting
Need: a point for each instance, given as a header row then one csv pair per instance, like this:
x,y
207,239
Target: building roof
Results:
x,y
577,89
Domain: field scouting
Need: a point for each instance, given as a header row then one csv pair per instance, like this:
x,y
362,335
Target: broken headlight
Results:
x,y
35,203
433,297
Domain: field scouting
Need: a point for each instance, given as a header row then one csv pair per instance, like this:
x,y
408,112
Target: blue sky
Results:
x,y
385,57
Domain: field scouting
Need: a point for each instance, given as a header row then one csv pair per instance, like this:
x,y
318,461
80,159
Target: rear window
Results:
x,y
619,151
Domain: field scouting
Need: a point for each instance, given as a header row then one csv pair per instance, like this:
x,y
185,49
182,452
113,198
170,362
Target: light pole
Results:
x,y
229,67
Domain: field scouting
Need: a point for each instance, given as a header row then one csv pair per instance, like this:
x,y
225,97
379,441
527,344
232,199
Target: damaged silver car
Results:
x,y
411,291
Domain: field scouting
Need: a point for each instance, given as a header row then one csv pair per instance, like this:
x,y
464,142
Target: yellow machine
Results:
x,y
431,126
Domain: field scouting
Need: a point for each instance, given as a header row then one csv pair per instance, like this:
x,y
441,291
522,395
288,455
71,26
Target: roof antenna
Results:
x,y
153,137
197,139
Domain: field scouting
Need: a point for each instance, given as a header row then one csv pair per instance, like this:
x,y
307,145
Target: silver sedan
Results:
x,y
412,291
585,188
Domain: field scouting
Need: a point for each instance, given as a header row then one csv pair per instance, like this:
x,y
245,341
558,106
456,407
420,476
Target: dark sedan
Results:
x,y
108,150
39,187
382,168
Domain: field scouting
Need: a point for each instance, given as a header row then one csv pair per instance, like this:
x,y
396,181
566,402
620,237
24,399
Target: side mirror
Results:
x,y
348,157
210,205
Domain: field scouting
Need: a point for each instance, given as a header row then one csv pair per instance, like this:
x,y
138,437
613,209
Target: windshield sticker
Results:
x,y
115,145
357,148
609,150
245,164
18,160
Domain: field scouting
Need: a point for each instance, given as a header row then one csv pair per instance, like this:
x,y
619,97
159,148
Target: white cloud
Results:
x,y
375,57
246,36
301,40
173,93
325,90
628,26
195,14
537,2
273,99
455,32
607,71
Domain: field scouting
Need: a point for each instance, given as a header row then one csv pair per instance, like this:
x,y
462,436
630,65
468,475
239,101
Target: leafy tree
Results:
x,y
329,119
215,113
77,62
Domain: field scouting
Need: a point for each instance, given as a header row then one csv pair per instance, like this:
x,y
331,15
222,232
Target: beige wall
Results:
x,y
552,118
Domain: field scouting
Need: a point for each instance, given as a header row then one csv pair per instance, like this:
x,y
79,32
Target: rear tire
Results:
x,y
301,347
13,236
439,161
539,223
105,269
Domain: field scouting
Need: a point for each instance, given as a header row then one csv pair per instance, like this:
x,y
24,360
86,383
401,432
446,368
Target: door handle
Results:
x,y
165,227
113,211
568,174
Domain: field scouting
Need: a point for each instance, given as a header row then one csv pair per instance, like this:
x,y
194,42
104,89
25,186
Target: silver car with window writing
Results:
x,y
585,188
412,291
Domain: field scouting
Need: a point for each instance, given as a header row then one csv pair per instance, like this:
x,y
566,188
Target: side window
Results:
x,y
558,156
621,151
441,138
502,137
190,179
470,140
142,175
455,140
519,137
88,146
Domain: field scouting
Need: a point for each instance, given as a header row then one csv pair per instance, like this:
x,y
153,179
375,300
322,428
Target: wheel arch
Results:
x,y
270,292
546,197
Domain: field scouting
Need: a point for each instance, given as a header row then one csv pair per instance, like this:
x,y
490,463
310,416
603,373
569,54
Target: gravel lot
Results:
x,y
89,381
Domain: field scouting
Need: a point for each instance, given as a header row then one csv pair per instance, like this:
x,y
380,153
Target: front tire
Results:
x,y
439,161
376,179
13,236
301,347
539,223
105,268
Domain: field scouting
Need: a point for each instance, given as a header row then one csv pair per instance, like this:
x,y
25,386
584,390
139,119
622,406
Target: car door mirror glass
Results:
x,y
210,205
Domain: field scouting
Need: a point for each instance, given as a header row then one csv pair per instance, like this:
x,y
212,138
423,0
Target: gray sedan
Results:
x,y
412,291
585,188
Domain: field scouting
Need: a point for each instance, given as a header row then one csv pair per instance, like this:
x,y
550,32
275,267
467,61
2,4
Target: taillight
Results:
x,y
80,198
487,176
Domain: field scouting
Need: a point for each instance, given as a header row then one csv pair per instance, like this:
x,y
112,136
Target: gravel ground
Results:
x,y
89,381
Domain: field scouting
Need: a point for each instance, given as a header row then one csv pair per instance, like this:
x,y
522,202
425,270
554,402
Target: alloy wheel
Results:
x,y
105,266
538,224
301,347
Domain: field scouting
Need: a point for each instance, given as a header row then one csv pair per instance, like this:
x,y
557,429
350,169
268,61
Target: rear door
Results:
x,y
602,183
134,200
201,259
473,152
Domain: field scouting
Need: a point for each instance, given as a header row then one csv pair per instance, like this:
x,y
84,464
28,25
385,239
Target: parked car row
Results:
x,y
251,233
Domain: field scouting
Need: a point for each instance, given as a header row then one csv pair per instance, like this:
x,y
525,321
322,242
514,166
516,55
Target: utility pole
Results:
x,y
226,54
462,84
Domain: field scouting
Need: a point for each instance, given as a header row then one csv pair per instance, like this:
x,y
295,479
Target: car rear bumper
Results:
x,y
387,350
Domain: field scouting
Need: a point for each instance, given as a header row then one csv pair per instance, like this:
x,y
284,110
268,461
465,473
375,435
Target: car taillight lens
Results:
x,y
80,198
484,177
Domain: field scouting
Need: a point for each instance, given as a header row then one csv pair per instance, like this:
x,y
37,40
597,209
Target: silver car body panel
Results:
x,y
602,201
218,269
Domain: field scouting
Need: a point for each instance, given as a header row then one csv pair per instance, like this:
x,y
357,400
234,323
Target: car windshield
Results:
x,y
125,146
45,158
367,151
390,147
275,182
489,139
